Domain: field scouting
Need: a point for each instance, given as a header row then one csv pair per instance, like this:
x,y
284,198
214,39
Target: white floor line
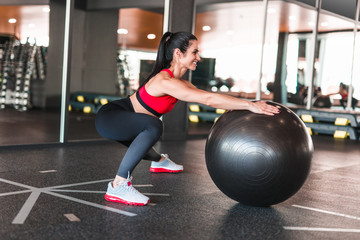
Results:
x,y
76,191
327,212
91,204
102,192
79,184
14,193
17,184
35,193
72,217
48,171
347,230
26,208
66,185
157,194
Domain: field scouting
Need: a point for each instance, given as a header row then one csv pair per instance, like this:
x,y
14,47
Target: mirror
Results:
x,y
24,115
115,69
230,38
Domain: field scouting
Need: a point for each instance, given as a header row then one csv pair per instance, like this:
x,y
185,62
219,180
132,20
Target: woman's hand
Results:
x,y
263,108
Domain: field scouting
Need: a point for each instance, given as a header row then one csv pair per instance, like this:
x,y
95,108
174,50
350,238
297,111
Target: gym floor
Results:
x,y
57,192
42,127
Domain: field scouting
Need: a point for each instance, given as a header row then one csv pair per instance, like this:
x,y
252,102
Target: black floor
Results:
x,y
57,192
42,127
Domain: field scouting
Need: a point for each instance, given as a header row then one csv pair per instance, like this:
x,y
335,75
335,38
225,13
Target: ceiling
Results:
x,y
31,21
239,23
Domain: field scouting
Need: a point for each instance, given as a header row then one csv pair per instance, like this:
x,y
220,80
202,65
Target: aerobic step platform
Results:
x,y
200,112
338,124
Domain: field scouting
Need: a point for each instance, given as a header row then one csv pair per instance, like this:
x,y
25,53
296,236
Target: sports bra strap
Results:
x,y
168,71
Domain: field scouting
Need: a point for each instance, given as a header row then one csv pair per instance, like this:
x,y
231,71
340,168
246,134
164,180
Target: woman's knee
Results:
x,y
155,128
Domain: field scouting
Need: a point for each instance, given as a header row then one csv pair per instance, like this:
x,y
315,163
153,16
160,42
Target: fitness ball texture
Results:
x,y
256,159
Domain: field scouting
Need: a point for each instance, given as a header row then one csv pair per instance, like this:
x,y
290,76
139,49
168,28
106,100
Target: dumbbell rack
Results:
x,y
19,64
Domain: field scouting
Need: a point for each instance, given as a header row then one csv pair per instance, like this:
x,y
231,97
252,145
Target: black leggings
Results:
x,y
138,131
354,102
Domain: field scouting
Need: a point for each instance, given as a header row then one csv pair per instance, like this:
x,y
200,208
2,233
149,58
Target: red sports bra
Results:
x,y
156,105
344,96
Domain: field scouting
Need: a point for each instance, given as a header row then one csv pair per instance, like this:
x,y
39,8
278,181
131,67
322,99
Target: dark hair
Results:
x,y
270,86
168,43
344,86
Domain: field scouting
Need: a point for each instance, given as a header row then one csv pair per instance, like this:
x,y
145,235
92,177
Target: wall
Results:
x,y
93,52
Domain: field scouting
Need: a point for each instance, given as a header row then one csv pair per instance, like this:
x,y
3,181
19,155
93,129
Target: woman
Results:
x,y
134,121
344,92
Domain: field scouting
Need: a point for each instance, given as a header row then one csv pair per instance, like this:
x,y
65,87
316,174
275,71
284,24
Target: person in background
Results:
x,y
344,92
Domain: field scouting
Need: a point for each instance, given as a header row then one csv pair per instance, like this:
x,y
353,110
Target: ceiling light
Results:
x,y
229,32
31,25
292,18
206,28
271,10
122,31
12,20
311,24
46,9
324,24
151,36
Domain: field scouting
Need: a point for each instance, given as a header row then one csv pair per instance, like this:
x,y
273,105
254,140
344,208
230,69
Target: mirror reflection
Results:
x,y
24,41
115,70
230,38
109,62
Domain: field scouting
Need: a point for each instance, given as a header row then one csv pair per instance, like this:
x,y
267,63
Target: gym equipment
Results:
x,y
6,60
340,124
322,102
22,88
257,159
20,64
200,112
90,102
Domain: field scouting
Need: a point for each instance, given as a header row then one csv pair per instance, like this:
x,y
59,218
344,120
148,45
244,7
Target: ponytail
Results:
x,y
168,43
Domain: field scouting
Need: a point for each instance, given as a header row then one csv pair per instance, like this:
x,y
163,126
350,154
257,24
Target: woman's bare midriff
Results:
x,y
138,108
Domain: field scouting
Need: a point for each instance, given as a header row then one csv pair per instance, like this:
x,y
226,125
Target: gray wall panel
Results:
x,y
308,2
24,2
100,51
346,8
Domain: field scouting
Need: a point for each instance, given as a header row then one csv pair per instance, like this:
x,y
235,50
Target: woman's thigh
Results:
x,y
121,125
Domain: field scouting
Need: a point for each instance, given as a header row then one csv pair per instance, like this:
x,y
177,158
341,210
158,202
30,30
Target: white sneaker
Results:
x,y
126,193
166,166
